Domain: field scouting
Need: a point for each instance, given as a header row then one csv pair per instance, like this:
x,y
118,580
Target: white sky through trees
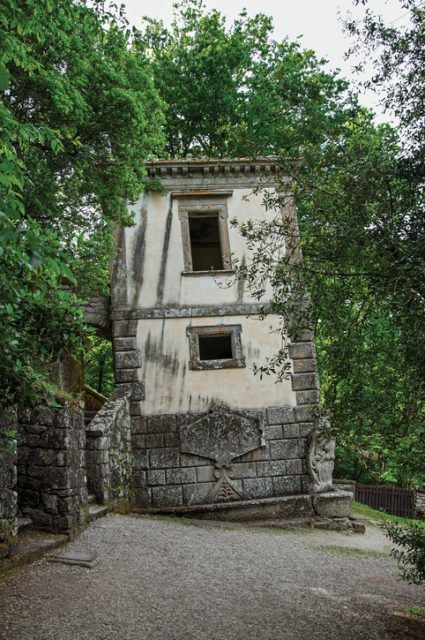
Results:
x,y
316,21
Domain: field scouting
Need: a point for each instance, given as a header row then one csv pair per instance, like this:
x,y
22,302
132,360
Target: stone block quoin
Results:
x,y
304,379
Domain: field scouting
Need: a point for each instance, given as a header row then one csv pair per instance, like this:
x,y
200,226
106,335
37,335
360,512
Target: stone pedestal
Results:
x,y
333,504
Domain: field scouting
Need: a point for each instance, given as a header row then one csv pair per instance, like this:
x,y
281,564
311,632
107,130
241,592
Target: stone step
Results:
x,y
24,523
97,511
91,498
88,416
31,546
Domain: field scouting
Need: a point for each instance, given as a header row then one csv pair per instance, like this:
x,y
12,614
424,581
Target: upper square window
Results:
x,y
205,234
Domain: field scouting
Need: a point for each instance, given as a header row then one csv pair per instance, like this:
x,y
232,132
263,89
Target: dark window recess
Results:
x,y
215,347
205,243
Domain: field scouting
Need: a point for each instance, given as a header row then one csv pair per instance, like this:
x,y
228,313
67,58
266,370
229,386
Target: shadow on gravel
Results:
x,y
402,625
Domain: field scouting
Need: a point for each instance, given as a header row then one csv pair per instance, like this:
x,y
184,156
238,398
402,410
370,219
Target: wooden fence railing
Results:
x,y
395,500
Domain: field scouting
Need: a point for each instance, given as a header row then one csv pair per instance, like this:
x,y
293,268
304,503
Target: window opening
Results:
x,y
215,347
205,242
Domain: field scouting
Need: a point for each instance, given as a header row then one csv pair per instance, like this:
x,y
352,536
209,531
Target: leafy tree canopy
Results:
x,y
397,52
79,115
236,91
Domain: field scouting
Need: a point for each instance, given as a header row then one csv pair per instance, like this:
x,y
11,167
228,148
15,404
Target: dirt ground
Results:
x,y
162,579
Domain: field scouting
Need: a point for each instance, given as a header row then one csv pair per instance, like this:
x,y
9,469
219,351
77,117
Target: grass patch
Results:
x,y
352,551
381,516
417,612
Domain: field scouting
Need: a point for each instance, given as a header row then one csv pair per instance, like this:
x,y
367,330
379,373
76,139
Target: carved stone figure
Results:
x,y
321,457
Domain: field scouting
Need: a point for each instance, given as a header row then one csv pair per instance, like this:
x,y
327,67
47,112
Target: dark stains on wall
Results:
x,y
164,255
154,352
139,253
241,280
119,273
253,352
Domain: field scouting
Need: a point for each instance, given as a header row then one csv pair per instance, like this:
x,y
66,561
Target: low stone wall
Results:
x,y
51,466
108,449
167,474
8,476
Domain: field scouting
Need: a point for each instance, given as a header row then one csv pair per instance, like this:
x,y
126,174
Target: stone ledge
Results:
x,y
256,509
29,547
123,315
282,512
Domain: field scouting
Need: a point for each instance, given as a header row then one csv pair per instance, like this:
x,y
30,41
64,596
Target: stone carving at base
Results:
x,y
221,435
321,457
225,489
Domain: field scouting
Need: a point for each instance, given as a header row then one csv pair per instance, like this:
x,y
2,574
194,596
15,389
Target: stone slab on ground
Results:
x,y
78,559
162,579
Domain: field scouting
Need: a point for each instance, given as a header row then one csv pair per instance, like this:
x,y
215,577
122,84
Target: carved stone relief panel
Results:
x,y
222,435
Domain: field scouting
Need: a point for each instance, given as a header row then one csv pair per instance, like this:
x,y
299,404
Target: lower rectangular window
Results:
x,y
215,347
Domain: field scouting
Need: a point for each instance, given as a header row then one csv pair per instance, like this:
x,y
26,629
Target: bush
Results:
x,y
410,550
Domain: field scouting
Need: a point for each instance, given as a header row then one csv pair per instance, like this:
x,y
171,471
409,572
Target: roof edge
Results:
x,y
212,166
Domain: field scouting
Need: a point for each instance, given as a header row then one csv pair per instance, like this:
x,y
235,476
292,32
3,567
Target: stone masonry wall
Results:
x,y
51,466
108,449
164,476
8,495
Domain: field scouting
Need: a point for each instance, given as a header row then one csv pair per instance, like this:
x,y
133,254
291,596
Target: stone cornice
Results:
x,y
191,171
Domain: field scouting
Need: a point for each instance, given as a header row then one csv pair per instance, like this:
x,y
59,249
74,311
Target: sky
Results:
x,y
316,21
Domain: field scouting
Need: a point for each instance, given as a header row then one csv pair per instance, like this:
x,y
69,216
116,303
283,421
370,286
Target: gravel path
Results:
x,y
159,579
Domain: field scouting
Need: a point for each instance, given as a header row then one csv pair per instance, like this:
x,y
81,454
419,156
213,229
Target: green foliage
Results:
x,y
410,550
397,53
98,365
79,115
363,242
235,91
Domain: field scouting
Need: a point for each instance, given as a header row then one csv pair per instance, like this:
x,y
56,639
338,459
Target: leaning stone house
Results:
x,y
207,430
